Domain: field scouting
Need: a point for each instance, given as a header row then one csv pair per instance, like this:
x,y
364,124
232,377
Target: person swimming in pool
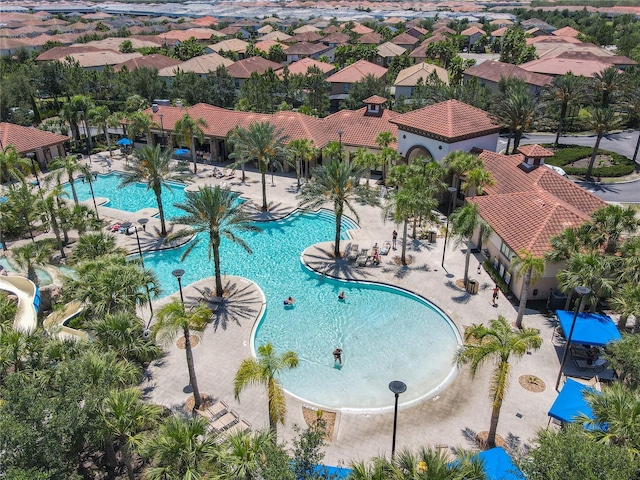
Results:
x,y
341,296
289,301
337,355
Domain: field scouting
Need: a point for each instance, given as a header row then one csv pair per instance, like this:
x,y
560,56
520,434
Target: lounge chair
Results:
x,y
242,426
384,250
362,260
217,410
353,252
227,420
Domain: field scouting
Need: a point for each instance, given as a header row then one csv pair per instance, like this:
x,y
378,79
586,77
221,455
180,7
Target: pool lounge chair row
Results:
x,y
221,419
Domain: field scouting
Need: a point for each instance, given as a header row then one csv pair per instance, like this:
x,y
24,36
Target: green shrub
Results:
x,y
495,276
567,154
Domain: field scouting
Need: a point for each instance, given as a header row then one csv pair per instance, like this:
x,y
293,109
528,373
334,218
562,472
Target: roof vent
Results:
x,y
374,105
154,108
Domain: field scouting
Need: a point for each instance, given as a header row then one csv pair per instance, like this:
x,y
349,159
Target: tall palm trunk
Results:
x,y
105,130
563,113
73,187
56,231
192,371
88,132
516,139
298,168
192,149
403,255
336,248
467,259
506,151
163,227
32,275
523,299
126,456
592,160
110,453
263,173
501,382
273,424
215,243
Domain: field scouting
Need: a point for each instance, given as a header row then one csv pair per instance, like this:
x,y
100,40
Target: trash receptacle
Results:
x,y
431,236
472,287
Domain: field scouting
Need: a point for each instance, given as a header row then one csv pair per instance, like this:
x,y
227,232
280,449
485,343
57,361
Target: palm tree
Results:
x,y
470,169
366,160
610,223
188,127
49,205
339,184
565,90
626,302
82,104
496,343
70,114
384,139
333,151
608,83
13,166
532,268
218,213
70,165
464,222
617,407
262,143
263,371
99,116
172,321
94,245
593,270
239,160
571,240
115,120
140,124
302,151
30,255
244,454
155,167
601,120
178,449
123,417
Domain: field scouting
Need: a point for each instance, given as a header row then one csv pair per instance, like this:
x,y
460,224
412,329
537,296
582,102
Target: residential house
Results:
x,y
114,43
472,35
408,78
436,130
490,72
235,32
277,36
232,45
152,62
336,39
303,50
264,30
205,21
406,41
97,60
247,25
343,79
558,66
265,45
387,52
444,31
528,205
566,32
242,69
373,38
417,32
302,66
202,66
306,29
361,29
537,23
28,140
501,23
536,33
309,37
60,53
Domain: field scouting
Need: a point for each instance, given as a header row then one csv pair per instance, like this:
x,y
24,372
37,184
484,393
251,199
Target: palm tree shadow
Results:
x,y
463,296
238,304
325,263
275,211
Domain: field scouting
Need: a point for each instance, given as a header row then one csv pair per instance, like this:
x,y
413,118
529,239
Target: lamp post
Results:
x,y
397,387
178,273
4,244
93,175
582,293
139,248
340,132
161,127
452,191
143,222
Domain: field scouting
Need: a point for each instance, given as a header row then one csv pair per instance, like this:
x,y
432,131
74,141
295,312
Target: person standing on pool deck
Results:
x,y
495,295
337,355
394,237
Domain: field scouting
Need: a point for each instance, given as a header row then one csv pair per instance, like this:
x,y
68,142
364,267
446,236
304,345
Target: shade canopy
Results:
x,y
124,141
499,466
181,151
571,403
591,328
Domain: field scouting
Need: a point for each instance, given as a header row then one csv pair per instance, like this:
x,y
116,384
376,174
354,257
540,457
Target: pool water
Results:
x,y
43,275
132,198
385,334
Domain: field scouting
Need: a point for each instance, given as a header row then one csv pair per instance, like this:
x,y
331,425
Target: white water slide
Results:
x,y
28,301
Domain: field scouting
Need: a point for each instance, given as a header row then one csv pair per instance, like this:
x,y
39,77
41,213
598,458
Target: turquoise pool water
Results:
x,y
131,199
43,275
385,333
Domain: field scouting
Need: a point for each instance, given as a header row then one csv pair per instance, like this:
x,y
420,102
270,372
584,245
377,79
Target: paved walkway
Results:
x,y
447,419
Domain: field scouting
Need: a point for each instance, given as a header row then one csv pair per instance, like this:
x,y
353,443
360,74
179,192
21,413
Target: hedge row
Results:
x,y
567,154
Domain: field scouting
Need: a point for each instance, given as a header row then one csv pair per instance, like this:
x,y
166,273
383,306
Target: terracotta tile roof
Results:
x,y
302,66
527,208
404,39
265,29
450,121
201,65
390,50
375,100
305,29
373,38
535,151
229,31
154,61
409,76
417,30
182,35
304,48
113,43
444,31
566,32
361,29
100,58
332,29
28,139
310,37
265,45
499,32
550,39
205,21
560,66
59,53
358,129
356,72
278,36
393,21
245,67
493,71
231,45
472,31
434,39
337,37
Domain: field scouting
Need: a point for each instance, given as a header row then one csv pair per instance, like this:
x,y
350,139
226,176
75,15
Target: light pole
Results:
x,y
142,263
139,248
161,127
340,132
143,222
452,191
582,293
4,244
397,387
178,273
93,175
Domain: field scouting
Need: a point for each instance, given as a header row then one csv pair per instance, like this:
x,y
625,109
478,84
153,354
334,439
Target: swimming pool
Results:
x,y
132,198
386,334
43,276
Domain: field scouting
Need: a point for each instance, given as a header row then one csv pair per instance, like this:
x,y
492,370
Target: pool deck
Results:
x,y
446,420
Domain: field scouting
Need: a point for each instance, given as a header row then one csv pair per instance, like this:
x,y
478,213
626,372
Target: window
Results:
x,y
506,251
345,87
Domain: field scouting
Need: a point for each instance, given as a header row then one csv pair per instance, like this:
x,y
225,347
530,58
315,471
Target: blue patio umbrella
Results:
x,y
124,141
498,465
181,151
